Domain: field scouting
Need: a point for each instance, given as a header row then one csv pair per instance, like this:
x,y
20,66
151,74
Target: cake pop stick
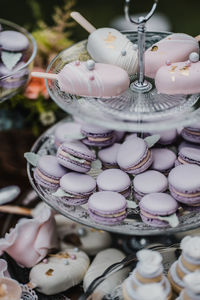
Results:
x,y
16,210
108,45
90,79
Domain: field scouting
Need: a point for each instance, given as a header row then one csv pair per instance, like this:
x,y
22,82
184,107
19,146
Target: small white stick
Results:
x,y
82,21
44,75
16,210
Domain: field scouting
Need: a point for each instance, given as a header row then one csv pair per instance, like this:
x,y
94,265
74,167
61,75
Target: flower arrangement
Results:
x,y
34,108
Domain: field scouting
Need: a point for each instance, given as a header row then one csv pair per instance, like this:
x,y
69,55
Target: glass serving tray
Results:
x,y
132,225
132,111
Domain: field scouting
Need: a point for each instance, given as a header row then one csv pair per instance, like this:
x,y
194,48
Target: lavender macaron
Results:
x,y
184,184
149,182
18,79
75,156
48,172
13,41
188,156
167,137
107,208
134,156
155,206
78,187
163,160
68,131
97,136
108,156
114,180
192,133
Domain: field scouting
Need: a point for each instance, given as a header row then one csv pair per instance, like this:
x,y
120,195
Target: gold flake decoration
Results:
x,y
60,255
110,38
154,48
49,272
173,68
185,71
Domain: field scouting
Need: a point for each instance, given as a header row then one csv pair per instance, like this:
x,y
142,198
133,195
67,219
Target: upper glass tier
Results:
x,y
133,110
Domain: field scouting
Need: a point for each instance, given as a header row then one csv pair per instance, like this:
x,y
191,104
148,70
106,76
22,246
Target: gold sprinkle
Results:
x,y
173,68
60,255
49,272
96,230
154,48
185,71
3,290
110,38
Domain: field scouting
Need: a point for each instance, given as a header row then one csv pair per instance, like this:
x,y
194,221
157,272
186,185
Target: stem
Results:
x,y
141,50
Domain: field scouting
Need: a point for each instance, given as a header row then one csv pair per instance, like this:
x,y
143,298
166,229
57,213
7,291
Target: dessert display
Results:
x,y
102,261
188,262
90,79
159,210
75,156
114,180
97,136
149,269
59,271
179,78
149,182
87,239
192,286
108,45
107,207
172,49
49,172
77,188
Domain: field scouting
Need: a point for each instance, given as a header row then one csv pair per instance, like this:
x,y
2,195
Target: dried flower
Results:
x,y
36,87
47,118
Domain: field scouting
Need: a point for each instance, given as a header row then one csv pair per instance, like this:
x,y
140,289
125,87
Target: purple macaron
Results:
x,y
97,136
79,187
119,136
163,160
13,41
192,133
167,137
184,184
68,131
188,156
134,156
48,172
75,156
108,156
107,208
155,205
114,180
18,79
149,182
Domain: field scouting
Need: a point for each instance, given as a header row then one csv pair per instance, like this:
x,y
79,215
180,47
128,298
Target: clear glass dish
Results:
x,y
132,111
14,82
132,225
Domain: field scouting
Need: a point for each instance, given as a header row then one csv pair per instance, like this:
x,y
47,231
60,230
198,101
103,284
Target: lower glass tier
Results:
x,y
132,225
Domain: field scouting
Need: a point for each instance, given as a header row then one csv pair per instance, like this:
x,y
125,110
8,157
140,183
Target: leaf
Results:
x,y
172,220
131,204
97,164
32,158
152,140
61,193
10,59
74,137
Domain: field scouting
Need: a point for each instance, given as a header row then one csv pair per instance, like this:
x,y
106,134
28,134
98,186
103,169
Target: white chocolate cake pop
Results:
x,y
90,79
101,262
108,45
59,272
149,270
179,78
10,289
89,240
188,262
174,48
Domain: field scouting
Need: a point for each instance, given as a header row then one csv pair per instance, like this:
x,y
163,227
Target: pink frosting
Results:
x,y
29,242
103,81
174,48
179,78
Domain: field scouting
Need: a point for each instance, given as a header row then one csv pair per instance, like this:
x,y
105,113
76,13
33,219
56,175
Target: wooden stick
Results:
x,y
82,21
44,75
17,210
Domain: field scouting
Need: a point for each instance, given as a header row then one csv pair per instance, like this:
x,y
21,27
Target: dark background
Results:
x,y
183,14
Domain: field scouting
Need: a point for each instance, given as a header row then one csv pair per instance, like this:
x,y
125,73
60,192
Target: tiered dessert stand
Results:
x,y
139,109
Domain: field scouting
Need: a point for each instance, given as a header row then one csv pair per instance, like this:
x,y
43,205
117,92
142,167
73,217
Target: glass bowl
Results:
x,y
12,81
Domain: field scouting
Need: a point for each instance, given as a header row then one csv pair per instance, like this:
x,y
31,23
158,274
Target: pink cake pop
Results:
x,y
90,79
179,78
10,289
28,243
173,48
